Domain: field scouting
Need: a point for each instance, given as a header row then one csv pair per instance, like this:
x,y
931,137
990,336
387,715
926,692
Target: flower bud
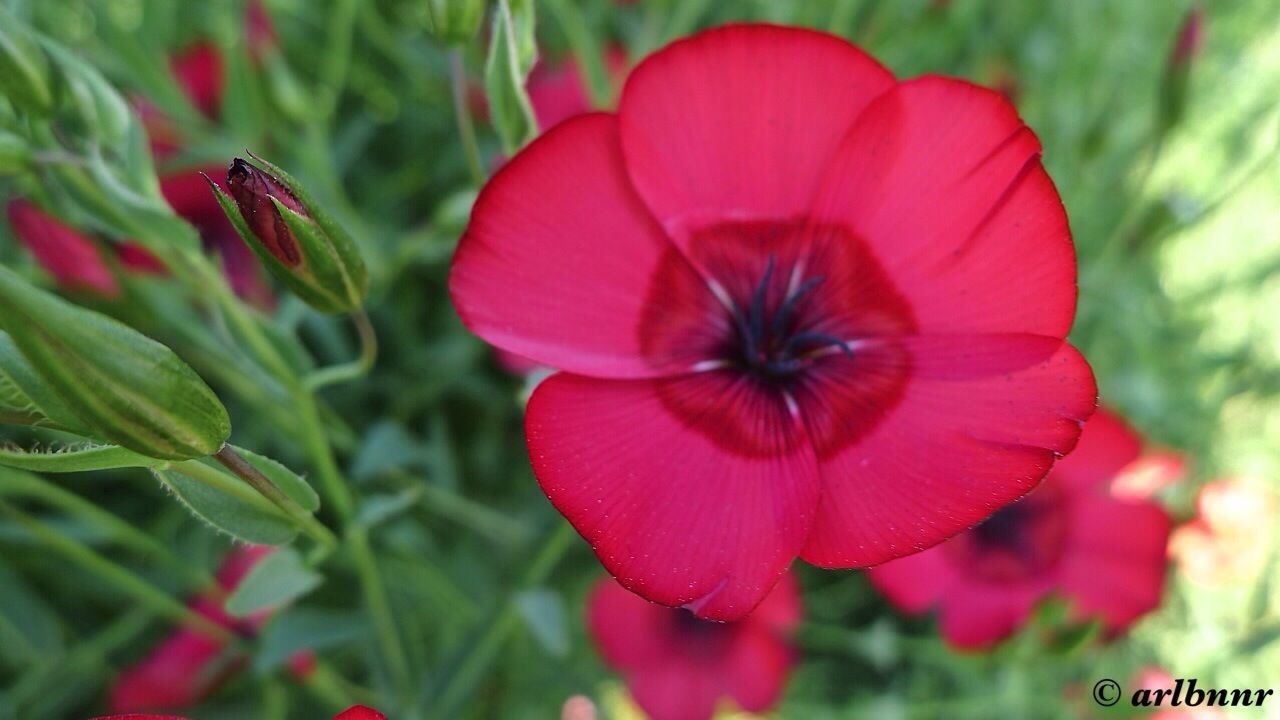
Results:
x,y
1177,71
124,387
24,69
298,242
455,22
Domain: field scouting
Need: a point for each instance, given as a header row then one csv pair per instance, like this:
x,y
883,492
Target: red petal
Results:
x,y
975,616
359,712
628,630
759,661
944,182
979,422
179,671
739,122
558,261
136,716
1106,446
675,691
915,583
198,70
1114,562
694,491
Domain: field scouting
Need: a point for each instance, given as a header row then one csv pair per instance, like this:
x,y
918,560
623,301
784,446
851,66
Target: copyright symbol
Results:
x,y
1106,692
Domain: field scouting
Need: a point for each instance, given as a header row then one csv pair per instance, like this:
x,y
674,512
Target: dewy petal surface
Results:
x,y
738,122
558,258
670,506
944,182
978,423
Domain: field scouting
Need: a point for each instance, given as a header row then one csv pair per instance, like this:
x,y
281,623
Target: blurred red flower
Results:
x,y
558,90
74,260
359,712
1070,536
678,666
188,665
798,313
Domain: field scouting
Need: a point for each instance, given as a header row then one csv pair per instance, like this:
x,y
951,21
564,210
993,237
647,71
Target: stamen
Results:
x,y
756,313
783,313
816,338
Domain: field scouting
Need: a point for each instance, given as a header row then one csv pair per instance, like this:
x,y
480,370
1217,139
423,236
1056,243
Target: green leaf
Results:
x,y
126,388
227,503
306,629
512,53
24,69
282,477
75,458
377,509
276,580
543,612
29,628
25,398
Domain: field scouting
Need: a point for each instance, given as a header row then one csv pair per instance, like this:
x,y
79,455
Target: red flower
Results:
x,y
73,259
558,91
1229,538
1071,536
188,665
798,313
678,666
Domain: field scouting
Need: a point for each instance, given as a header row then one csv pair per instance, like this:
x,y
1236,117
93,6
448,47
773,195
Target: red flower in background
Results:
x,y
799,312
1229,537
74,260
355,712
558,91
188,665
1071,536
678,666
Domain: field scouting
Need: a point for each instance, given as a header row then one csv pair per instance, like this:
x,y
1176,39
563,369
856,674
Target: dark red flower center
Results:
x,y
780,318
1020,541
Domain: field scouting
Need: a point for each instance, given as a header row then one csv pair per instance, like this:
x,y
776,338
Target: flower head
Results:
x,y
1070,536
797,313
678,666
74,260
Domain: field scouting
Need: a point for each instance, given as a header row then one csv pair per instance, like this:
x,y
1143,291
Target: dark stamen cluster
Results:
x,y
768,342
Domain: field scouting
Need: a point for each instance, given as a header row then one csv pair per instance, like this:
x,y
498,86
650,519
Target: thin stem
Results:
x,y
375,596
123,578
585,50
36,486
232,461
462,115
483,652
356,368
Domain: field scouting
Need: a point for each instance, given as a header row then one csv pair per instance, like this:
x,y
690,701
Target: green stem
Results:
x,y
375,596
356,368
585,50
37,487
462,116
128,581
482,654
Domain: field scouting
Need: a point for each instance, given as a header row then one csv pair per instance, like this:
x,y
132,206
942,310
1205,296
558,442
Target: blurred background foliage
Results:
x,y
1177,228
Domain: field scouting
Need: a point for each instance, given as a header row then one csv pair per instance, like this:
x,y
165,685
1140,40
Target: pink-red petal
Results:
x,y
980,421
558,259
1107,445
944,182
975,616
73,259
738,122
694,491
915,583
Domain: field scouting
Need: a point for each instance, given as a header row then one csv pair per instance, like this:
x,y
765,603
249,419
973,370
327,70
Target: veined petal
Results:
x,y
738,122
979,421
559,257
944,182
694,491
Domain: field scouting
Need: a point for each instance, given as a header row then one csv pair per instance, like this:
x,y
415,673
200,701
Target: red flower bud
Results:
x,y
359,712
1188,41
253,189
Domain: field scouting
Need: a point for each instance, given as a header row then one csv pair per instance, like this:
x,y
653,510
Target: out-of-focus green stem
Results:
x,y
232,461
337,58
375,597
34,486
356,368
482,654
462,116
585,50
146,593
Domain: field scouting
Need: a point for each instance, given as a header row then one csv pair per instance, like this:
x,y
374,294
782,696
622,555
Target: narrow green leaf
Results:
x,y
75,458
511,57
276,580
29,628
226,503
282,477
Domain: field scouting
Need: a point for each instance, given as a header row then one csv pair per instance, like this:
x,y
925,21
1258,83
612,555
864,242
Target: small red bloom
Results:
x,y
188,665
678,666
798,313
73,259
359,712
558,91
1070,536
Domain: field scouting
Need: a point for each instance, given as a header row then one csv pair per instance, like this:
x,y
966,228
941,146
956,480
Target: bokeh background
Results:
x,y
1173,192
